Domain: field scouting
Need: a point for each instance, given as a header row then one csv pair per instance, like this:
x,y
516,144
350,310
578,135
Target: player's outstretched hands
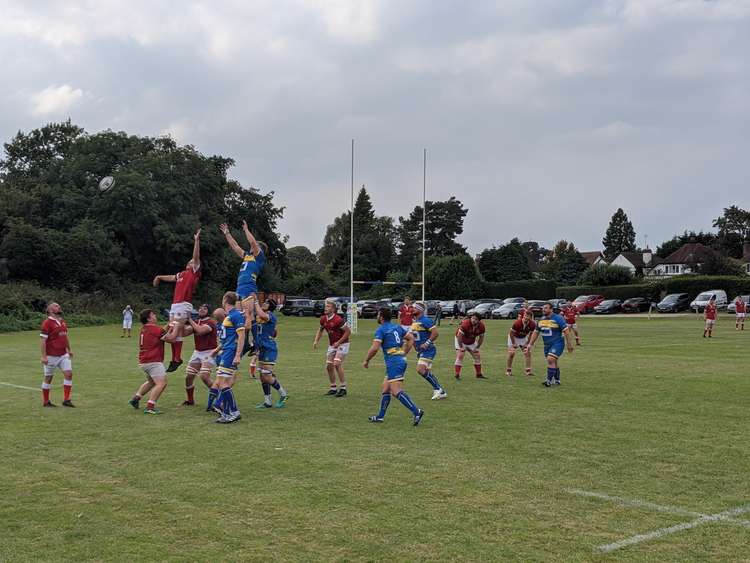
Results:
x,y
197,234
366,364
156,281
244,226
224,228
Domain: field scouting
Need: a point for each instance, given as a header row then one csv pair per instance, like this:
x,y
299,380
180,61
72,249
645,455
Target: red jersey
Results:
x,y
151,345
205,342
740,306
710,312
570,313
468,333
185,284
334,326
405,315
55,334
521,329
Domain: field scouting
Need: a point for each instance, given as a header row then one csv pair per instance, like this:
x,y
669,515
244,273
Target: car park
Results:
x,y
319,307
507,311
636,305
608,307
585,304
699,303
558,304
484,309
508,300
674,303
732,309
535,306
298,308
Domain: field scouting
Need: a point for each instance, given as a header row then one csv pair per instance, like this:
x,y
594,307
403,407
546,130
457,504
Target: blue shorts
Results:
x,y
428,354
267,355
554,348
246,291
226,358
395,369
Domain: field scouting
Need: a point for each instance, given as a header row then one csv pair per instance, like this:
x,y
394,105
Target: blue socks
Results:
x,y
266,388
432,380
550,374
275,384
407,402
385,400
557,374
228,402
213,393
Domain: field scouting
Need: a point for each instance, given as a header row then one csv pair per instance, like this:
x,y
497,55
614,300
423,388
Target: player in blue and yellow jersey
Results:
x,y
231,333
264,330
425,333
555,334
395,343
252,266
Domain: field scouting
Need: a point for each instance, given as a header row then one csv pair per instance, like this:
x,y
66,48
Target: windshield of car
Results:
x,y
705,296
581,299
609,302
671,298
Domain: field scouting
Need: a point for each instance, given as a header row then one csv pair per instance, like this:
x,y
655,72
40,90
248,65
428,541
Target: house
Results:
x,y
639,263
684,260
593,258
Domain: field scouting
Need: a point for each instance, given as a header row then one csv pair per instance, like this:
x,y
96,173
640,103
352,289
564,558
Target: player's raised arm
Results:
x,y
198,329
254,246
164,278
172,334
259,312
434,333
236,248
197,250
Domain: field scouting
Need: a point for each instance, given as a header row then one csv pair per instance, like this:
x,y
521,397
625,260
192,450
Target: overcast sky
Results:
x,y
542,116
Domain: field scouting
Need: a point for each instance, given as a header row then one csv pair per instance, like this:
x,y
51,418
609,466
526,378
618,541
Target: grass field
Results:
x,y
648,411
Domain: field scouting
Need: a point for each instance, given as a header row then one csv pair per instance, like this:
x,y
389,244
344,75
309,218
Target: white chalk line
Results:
x,y
19,386
728,516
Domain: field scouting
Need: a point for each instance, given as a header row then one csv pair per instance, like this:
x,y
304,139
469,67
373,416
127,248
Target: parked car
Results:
x,y
731,307
558,304
585,304
513,300
484,309
507,311
608,307
674,303
700,302
636,305
447,308
298,308
535,306
319,307
369,309
432,308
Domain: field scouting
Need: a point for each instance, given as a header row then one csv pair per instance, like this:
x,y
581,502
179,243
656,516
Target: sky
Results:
x,y
541,116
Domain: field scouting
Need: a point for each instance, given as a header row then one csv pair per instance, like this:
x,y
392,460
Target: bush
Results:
x,y
693,285
453,277
648,290
34,320
530,289
606,275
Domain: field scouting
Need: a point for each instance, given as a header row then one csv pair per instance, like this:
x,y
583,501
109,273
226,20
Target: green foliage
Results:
x,y
564,263
717,265
651,291
677,241
620,236
453,277
693,285
734,229
504,263
606,274
530,289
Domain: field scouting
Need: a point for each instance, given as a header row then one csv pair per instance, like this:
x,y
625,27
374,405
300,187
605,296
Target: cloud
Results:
x,y
55,101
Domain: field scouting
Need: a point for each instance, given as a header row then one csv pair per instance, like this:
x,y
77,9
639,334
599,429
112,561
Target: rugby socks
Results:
x,y
45,392
550,375
432,380
276,385
478,368
213,394
457,367
150,404
407,402
67,389
253,367
230,404
190,392
557,375
177,351
385,400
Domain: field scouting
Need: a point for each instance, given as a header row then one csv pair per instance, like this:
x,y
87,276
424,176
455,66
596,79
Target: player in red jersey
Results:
x,y
740,311
570,314
151,360
518,337
469,338
406,313
710,315
56,354
185,283
202,361
338,347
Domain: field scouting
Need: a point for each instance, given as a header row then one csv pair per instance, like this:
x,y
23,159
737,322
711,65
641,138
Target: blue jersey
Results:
x,y
421,329
264,330
551,328
233,324
247,280
391,338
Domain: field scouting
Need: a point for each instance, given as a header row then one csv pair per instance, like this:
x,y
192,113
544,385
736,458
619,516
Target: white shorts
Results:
x,y
337,354
202,357
180,310
62,363
573,326
741,315
154,370
407,328
710,323
520,342
468,347
127,324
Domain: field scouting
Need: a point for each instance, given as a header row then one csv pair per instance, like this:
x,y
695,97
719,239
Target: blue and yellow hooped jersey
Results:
x,y
421,329
391,337
233,324
249,271
551,328
263,331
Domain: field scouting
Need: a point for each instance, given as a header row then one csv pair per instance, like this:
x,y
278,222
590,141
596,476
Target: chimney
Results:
x,y
647,256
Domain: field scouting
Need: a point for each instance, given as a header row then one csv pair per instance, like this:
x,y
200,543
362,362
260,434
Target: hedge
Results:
x,y
693,285
649,290
530,289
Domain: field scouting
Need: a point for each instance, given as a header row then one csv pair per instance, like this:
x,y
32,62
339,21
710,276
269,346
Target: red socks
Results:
x,y
45,395
478,369
190,392
176,351
66,392
458,370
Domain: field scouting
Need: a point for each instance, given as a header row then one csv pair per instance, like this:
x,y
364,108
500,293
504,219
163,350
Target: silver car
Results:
x,y
731,309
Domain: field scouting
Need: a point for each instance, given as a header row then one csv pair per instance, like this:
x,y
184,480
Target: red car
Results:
x,y
585,304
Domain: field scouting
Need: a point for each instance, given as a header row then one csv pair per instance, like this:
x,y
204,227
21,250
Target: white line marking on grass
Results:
x,y
19,386
728,516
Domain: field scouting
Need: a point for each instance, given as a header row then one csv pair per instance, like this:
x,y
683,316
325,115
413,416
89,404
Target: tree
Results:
x,y
535,254
676,242
734,229
453,277
606,274
620,236
564,263
505,263
717,265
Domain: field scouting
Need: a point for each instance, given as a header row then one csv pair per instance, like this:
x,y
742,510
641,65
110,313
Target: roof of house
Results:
x,y
690,253
592,257
636,259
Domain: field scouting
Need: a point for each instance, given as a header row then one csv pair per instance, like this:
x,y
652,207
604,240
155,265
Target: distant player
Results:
x,y
555,334
709,314
469,338
252,265
56,354
406,313
202,361
518,339
264,329
228,353
740,308
570,314
127,321
151,360
185,283
425,333
395,343
338,347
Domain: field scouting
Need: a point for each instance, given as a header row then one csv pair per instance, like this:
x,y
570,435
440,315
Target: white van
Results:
x,y
700,302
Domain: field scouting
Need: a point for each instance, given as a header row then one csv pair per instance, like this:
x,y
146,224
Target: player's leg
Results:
x,y
265,383
575,333
176,319
159,376
331,371
48,373
67,368
551,368
405,399
191,372
510,358
225,403
477,356
527,358
253,366
458,364
268,362
144,388
338,365
424,368
385,400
